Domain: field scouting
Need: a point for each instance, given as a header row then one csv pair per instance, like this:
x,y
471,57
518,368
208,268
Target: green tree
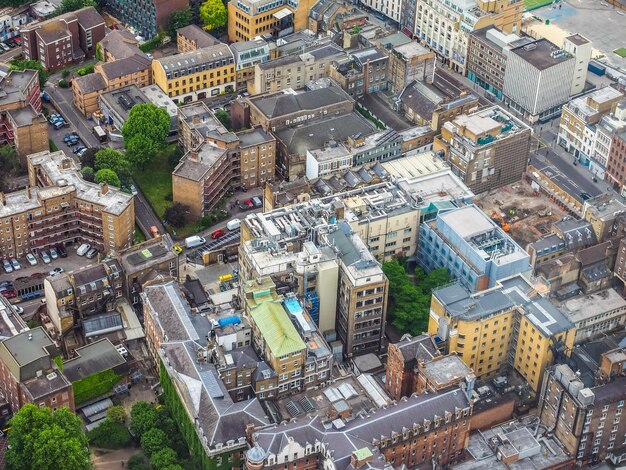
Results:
x,y
88,173
18,64
153,440
143,417
147,120
224,118
163,458
213,14
174,466
140,150
176,214
179,19
73,5
41,439
114,161
110,435
117,414
138,462
107,176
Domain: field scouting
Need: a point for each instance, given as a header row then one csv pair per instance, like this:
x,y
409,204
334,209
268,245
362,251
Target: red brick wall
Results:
x,y
483,419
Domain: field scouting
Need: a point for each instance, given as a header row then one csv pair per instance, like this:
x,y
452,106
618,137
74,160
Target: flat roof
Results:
x,y
91,359
468,221
28,346
540,55
584,307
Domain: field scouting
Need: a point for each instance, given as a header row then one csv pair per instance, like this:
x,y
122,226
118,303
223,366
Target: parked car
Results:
x,y
9,294
233,224
91,253
61,251
79,148
80,153
56,271
11,45
58,125
31,259
246,205
70,136
133,190
194,241
4,46
256,201
45,257
19,310
585,196
83,249
73,142
219,233
8,267
6,284
16,264
155,231
53,253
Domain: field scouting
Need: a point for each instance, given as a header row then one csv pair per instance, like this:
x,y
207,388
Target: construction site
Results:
x,y
525,214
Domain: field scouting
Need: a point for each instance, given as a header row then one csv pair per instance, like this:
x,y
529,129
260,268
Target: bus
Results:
x,y
100,133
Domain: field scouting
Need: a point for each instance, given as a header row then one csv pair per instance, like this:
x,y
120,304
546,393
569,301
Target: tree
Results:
x,y
140,150
117,414
147,120
114,161
213,14
9,168
176,214
110,435
153,440
88,173
31,65
179,19
163,458
137,462
88,158
41,439
73,5
107,176
174,466
224,118
143,417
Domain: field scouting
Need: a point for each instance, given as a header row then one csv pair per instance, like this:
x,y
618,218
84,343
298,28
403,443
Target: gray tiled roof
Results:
x,y
281,104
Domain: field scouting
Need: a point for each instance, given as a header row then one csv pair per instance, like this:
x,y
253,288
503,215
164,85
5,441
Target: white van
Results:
x,y
233,224
191,242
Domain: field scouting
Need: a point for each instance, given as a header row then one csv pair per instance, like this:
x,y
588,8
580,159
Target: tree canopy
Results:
x,y
164,458
213,14
153,440
140,150
147,120
117,414
176,214
107,176
179,19
224,118
409,300
46,440
73,5
20,64
113,160
143,417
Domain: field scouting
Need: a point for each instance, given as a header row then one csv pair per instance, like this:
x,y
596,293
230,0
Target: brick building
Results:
x,y
63,40
616,164
193,37
147,17
28,373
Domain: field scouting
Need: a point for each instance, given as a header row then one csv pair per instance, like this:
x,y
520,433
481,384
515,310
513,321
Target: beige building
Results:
x,y
193,37
409,62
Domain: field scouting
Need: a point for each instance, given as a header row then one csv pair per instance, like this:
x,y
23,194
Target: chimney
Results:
x,y
65,164
3,199
195,119
104,189
194,155
28,192
360,457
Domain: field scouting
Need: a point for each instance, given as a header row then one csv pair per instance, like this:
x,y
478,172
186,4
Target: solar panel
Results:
x,y
293,409
307,405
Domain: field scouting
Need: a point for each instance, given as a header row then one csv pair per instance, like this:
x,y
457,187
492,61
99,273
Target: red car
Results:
x,y
218,234
155,231
9,294
246,205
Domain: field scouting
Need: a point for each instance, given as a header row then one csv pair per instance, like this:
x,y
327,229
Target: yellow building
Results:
x,y
506,326
248,19
196,75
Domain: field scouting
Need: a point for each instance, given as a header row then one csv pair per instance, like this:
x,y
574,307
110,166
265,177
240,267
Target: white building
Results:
x,y
608,125
580,48
389,8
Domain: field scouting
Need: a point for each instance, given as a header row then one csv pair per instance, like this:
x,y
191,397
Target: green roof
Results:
x,y
277,330
362,454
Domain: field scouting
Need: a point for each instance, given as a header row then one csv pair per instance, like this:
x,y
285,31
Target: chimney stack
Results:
x,y
104,189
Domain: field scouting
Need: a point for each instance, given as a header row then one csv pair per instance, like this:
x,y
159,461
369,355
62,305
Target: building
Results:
x,y
29,373
586,420
214,425
197,74
504,328
487,149
487,52
296,70
580,48
192,37
615,173
445,37
22,123
538,79
109,76
580,118
418,430
257,156
409,62
59,207
146,17
118,44
362,72
602,212
247,54
63,40
473,249
605,130
248,19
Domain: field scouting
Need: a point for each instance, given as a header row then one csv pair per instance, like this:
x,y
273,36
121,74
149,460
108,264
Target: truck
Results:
x,y
233,224
194,241
100,133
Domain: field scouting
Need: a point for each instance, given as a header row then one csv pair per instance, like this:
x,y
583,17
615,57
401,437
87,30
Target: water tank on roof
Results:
x,y
232,320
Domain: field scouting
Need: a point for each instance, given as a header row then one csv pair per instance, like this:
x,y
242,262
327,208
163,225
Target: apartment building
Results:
x,y
616,165
193,37
22,124
197,74
506,327
586,420
391,9
602,212
487,53
110,76
419,430
118,44
295,71
538,79
362,72
409,62
473,249
487,149
258,157
247,54
146,17
28,373
580,48
63,40
579,120
60,207
607,127
444,27
248,19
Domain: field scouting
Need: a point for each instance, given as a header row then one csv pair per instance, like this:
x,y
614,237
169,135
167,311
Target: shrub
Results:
x,y
110,435
95,385
63,84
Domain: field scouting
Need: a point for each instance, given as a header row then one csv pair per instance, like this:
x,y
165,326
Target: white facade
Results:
x,y
389,8
580,48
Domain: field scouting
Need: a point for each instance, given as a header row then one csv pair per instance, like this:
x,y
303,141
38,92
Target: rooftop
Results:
x,y
148,254
30,345
190,61
446,370
584,307
120,44
195,166
541,54
10,322
127,66
285,103
91,359
412,49
90,83
198,35
277,330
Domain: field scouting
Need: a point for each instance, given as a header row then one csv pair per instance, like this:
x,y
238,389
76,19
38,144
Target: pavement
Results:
x,y
6,56
105,459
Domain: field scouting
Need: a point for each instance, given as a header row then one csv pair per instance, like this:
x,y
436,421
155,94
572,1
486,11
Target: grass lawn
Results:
x,y
533,4
53,146
156,180
139,236
621,51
